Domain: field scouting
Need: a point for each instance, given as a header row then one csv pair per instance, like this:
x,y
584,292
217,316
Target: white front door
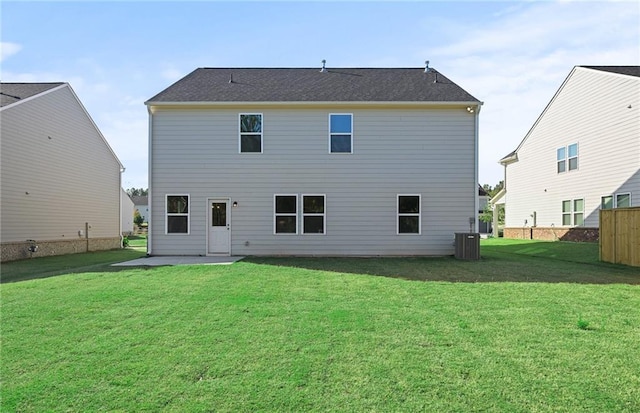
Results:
x,y
219,227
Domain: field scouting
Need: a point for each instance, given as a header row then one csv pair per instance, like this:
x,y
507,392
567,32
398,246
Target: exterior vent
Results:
x,y
324,69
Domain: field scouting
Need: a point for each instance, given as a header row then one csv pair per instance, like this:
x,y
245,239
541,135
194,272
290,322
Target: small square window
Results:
x,y
606,202
623,200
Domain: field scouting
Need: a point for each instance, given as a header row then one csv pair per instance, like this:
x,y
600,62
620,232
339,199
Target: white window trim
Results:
x,y
323,215
615,199
331,134
275,215
398,215
240,133
167,215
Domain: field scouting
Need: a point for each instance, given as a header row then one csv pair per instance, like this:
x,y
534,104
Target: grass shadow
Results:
x,y
45,267
542,262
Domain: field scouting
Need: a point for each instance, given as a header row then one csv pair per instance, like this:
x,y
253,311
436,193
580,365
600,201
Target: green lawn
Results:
x,y
551,330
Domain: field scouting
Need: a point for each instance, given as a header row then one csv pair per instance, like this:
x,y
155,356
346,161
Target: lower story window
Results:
x,y
606,202
177,207
409,214
623,200
313,214
573,212
616,201
285,214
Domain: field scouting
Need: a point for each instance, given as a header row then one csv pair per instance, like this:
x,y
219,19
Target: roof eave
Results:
x,y
509,159
474,103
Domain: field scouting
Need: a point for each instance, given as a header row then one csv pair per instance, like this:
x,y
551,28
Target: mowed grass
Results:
x,y
285,334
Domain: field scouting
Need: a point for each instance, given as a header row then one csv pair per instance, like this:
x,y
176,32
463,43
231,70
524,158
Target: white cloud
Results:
x,y
516,62
8,49
172,74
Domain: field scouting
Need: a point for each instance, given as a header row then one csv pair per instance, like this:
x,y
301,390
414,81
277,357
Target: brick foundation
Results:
x,y
11,251
577,234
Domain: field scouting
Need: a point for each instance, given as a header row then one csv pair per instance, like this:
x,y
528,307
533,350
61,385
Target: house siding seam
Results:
x,y
415,151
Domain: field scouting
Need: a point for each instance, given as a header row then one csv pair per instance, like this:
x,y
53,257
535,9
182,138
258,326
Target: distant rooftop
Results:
x,y
622,70
14,92
313,85
140,200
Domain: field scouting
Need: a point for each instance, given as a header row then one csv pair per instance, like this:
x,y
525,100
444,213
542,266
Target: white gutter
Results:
x,y
150,178
477,104
122,169
476,172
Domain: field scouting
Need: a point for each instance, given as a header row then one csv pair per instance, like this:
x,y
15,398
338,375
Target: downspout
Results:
x,y
476,173
122,169
150,180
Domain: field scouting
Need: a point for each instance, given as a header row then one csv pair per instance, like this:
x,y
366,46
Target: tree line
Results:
x,y
138,191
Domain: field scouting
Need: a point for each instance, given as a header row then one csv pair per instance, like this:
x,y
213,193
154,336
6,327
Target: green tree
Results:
x,y
138,192
137,218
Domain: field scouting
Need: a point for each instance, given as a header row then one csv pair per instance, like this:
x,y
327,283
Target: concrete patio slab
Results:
x,y
174,260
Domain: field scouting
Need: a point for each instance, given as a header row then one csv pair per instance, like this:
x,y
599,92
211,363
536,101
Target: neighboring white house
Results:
x,y
141,203
60,178
581,155
127,213
483,200
312,162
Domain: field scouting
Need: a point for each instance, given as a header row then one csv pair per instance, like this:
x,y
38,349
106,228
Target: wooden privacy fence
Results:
x,y
620,236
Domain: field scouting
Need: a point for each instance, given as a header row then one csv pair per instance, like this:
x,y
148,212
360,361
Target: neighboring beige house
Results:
x,y
60,178
581,155
127,213
293,161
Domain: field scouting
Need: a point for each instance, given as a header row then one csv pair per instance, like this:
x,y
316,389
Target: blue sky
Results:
x,y
513,56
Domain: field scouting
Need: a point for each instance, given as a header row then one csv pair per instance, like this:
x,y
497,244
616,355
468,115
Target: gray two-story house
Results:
x,y
327,162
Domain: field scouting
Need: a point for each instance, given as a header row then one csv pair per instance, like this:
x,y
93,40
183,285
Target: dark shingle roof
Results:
x,y
623,70
312,85
14,92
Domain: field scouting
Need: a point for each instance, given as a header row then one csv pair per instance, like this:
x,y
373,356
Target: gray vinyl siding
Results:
x,y
395,151
57,172
592,110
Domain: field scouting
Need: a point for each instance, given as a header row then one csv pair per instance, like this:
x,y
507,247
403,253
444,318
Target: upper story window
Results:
x,y
177,216
251,132
567,158
408,214
340,133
